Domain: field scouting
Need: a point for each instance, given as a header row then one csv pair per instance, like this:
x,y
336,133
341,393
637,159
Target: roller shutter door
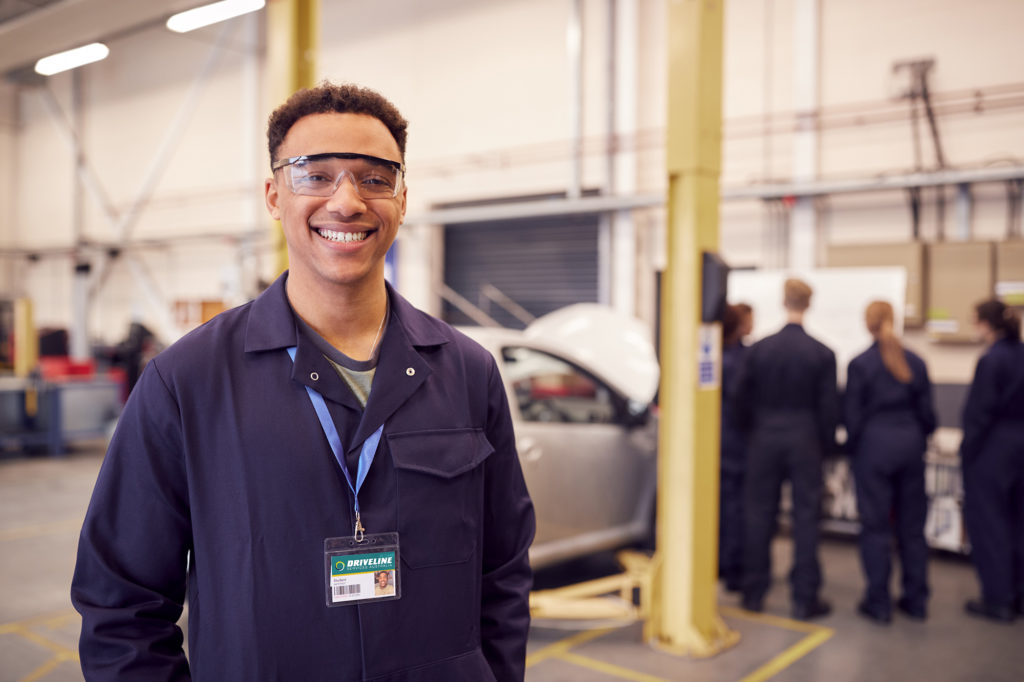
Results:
x,y
541,263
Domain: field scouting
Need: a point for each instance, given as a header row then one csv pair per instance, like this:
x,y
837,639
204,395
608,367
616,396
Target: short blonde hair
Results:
x,y
797,294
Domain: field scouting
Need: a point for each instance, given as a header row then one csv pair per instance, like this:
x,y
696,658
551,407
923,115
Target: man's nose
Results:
x,y
346,199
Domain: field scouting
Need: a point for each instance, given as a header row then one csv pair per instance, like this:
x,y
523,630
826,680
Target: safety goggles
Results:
x,y
320,175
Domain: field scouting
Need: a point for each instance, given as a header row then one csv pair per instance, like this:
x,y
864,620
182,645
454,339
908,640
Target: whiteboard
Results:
x,y
836,315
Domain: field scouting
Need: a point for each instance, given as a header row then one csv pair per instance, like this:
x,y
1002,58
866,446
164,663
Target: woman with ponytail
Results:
x,y
992,459
889,414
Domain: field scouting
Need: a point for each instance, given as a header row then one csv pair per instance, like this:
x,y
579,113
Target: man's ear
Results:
x,y
271,196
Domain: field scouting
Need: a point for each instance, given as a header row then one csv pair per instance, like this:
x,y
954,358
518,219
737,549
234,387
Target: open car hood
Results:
x,y
609,342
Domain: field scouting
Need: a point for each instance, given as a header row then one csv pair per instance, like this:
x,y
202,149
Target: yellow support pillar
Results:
x,y
684,617
293,32
26,341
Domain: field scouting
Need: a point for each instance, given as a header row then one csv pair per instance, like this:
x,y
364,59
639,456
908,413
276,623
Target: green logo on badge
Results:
x,y
348,564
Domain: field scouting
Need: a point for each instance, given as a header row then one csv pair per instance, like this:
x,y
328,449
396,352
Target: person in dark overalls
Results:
x,y
788,404
735,325
889,413
992,459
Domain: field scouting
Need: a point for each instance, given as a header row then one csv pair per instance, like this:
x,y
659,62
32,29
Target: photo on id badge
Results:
x,y
364,571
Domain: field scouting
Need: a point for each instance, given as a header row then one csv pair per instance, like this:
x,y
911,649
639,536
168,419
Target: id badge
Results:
x,y
357,572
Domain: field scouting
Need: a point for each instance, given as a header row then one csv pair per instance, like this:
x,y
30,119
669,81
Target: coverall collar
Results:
x,y
401,369
271,324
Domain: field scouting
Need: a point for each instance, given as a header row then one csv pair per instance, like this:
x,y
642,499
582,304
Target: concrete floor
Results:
x,y
42,502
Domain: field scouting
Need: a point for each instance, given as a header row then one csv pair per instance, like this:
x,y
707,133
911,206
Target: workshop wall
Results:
x,y
487,88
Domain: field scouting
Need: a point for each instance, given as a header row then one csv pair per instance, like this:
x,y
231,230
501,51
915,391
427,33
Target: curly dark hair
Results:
x,y
327,97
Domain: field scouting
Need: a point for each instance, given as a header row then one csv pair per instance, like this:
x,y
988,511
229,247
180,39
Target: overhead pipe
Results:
x,y
574,48
622,124
606,266
889,182
78,333
806,58
768,67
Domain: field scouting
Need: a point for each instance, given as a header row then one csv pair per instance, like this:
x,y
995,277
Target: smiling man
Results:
x,y
272,462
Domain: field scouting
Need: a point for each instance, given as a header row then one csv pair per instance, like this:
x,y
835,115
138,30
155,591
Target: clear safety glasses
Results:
x,y
320,175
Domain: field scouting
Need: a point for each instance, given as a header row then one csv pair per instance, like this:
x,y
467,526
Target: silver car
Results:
x,y
580,382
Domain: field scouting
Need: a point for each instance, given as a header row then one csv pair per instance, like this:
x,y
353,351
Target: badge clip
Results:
x,y
360,533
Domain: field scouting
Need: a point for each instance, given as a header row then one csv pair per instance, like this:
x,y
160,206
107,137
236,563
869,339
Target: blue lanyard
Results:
x,y
366,454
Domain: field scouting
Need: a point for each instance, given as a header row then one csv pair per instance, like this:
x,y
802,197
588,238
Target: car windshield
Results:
x,y
550,389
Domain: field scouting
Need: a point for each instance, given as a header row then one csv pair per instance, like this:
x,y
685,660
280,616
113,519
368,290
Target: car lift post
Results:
x,y
676,587
684,618
293,30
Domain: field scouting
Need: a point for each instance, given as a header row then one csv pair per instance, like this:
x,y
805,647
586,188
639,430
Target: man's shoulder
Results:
x,y
209,342
792,340
789,337
424,329
821,348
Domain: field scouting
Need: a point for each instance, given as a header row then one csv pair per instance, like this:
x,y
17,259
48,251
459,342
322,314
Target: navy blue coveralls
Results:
x,y
992,456
733,464
219,477
789,404
887,425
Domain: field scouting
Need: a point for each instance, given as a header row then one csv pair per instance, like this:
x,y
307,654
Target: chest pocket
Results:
x,y
440,489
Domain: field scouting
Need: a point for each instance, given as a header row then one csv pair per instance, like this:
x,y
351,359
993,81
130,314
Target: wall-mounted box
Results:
x,y
960,274
1010,273
907,255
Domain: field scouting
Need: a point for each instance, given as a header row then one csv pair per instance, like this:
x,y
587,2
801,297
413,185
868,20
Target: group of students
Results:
x,y
780,409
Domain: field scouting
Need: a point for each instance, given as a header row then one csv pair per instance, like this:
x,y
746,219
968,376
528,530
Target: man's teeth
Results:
x,y
341,236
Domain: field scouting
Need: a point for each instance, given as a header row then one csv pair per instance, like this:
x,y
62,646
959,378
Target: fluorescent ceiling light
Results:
x,y
184,22
70,59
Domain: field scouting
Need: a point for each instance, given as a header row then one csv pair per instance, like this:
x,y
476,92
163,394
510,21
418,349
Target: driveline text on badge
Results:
x,y
366,563
353,564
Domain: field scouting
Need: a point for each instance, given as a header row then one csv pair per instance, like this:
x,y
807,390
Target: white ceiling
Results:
x,y
30,29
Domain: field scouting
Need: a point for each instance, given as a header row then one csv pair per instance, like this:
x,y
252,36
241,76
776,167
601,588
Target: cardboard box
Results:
x,y
908,255
960,274
1010,273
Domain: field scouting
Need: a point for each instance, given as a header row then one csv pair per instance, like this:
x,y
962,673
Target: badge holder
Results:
x,y
358,571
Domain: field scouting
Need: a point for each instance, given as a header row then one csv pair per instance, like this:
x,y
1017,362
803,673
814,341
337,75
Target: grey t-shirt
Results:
x,y
358,374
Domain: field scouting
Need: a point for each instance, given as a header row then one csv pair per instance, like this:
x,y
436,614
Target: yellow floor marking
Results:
x,y
61,620
45,669
816,636
768,619
46,643
49,620
42,670
24,532
563,645
609,668
789,656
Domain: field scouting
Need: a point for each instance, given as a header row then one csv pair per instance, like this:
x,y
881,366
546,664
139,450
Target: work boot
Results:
x,y
875,615
912,610
982,609
812,609
751,603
